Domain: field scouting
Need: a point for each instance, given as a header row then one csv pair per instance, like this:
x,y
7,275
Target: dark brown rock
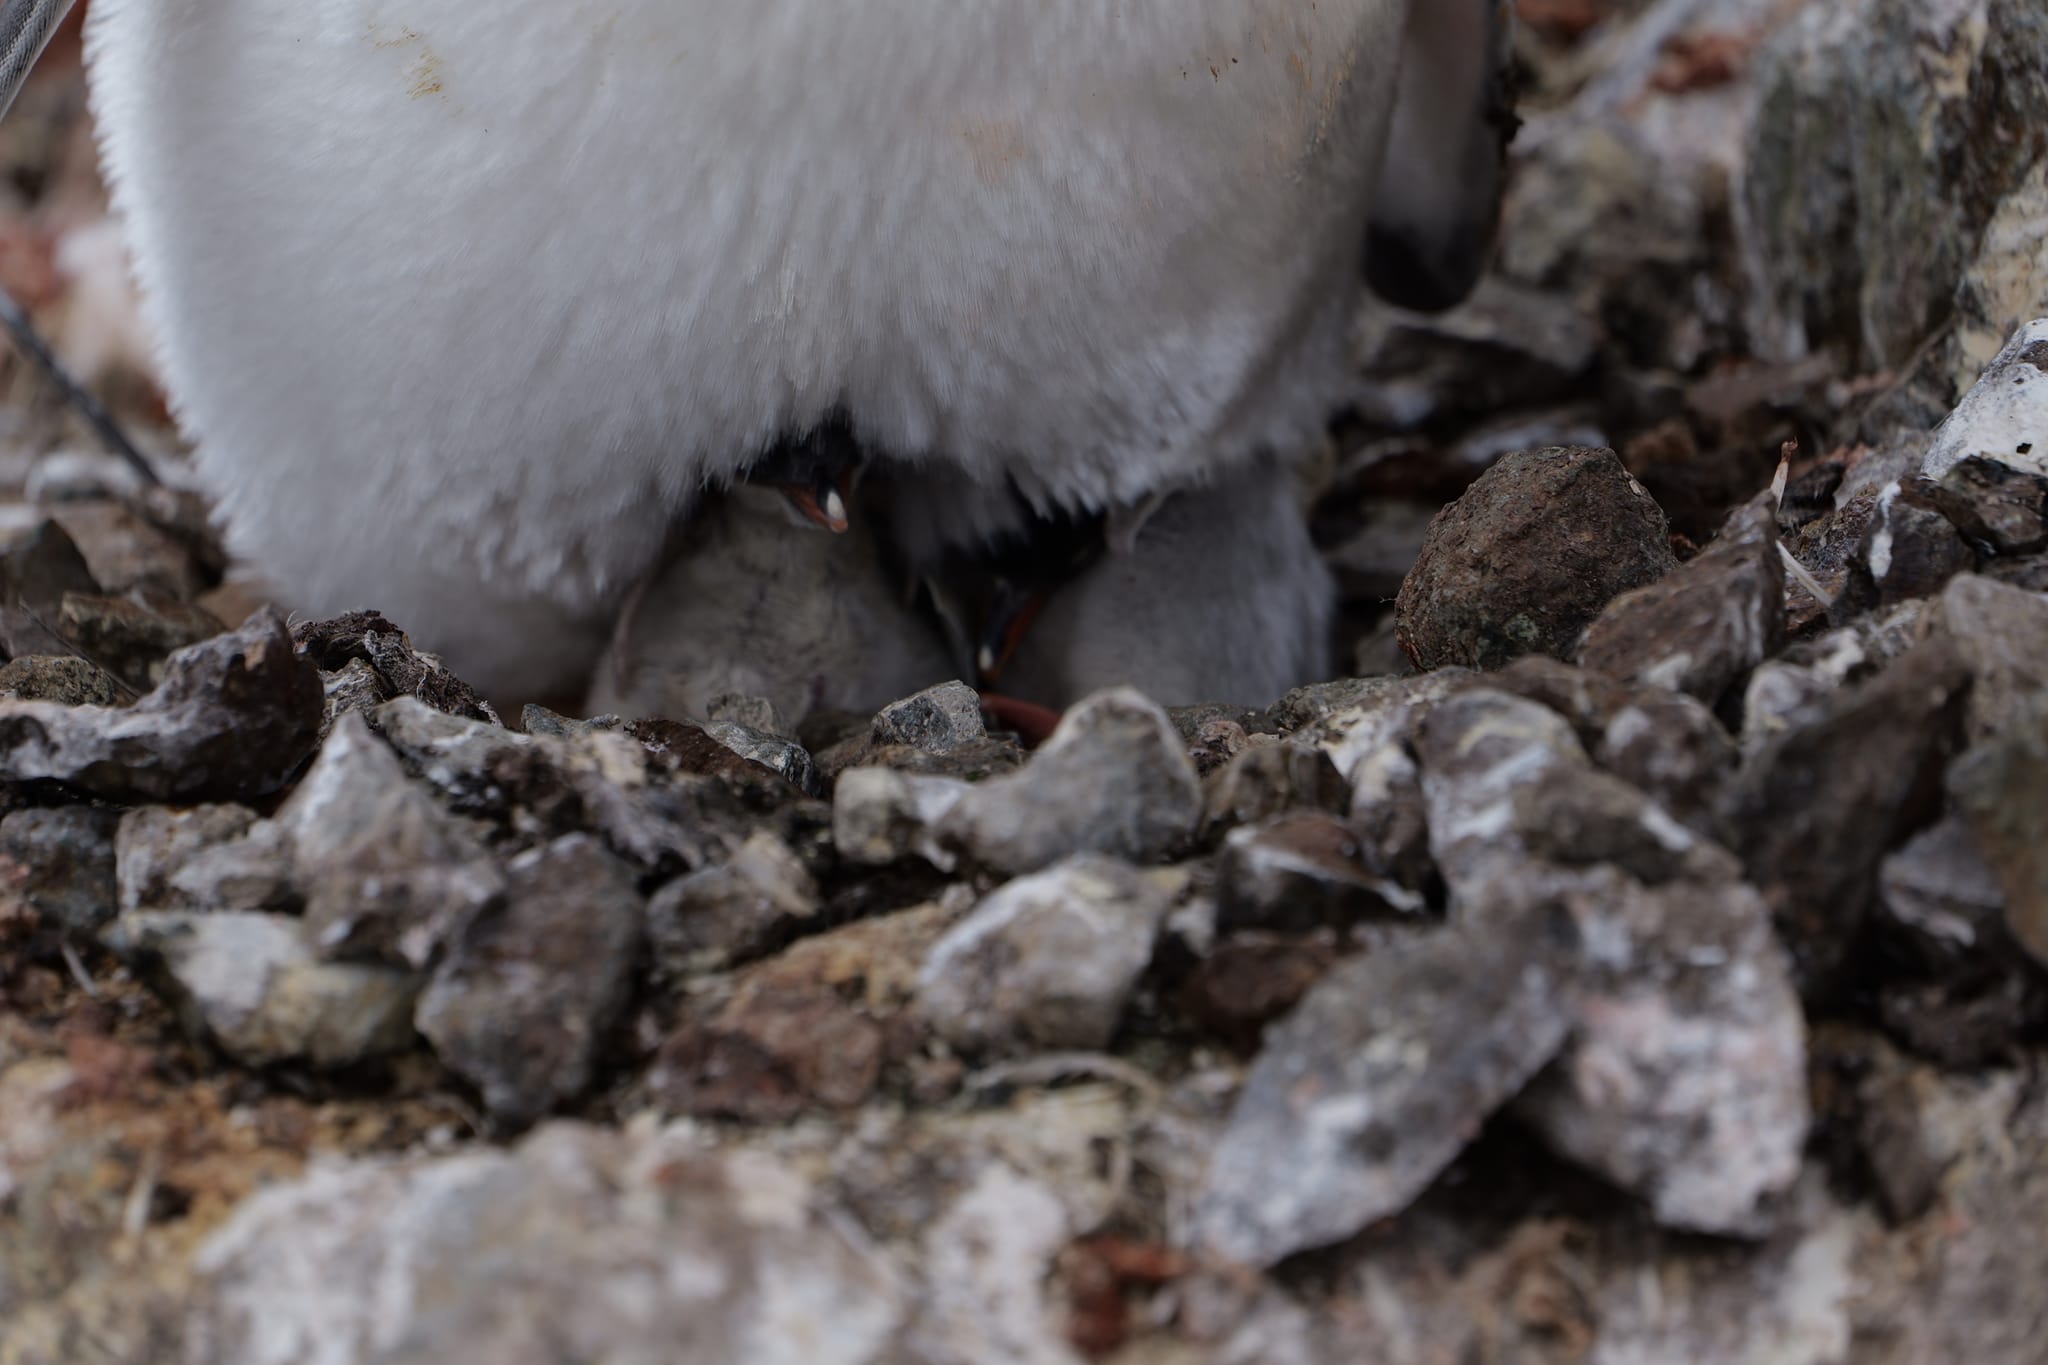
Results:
x,y
1248,982
60,864
133,636
1528,557
1701,629
402,670
1814,810
233,718
810,1028
2000,507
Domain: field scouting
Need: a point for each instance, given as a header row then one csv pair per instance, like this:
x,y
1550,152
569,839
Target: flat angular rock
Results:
x,y
386,872
1046,962
201,858
938,720
1301,871
1528,558
1702,628
1375,1083
1667,744
780,755
522,1003
1814,810
578,1244
1993,503
732,912
254,985
232,719
60,864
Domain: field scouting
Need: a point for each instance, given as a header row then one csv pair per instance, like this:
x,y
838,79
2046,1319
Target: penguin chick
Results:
x,y
808,621
1220,597
463,305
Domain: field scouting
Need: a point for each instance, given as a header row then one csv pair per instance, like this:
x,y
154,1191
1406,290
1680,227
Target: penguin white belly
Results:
x,y
463,302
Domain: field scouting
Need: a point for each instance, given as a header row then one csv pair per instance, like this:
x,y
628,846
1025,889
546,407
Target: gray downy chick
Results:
x,y
751,605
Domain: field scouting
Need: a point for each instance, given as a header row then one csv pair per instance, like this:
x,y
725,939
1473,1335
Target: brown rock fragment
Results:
x,y
1528,557
1701,629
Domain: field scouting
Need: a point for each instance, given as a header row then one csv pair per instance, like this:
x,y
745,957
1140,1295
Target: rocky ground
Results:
x,y
1643,958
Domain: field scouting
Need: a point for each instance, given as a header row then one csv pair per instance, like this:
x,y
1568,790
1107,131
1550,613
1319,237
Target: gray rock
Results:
x,y
64,679
880,815
1528,557
521,1004
386,873
203,858
125,549
1868,182
254,985
1996,505
1303,871
753,713
1266,780
354,688
939,719
1704,627
1046,962
1685,1079
60,864
1941,899
578,1244
610,782
1506,781
1375,1083
732,912
2001,786
1665,743
2004,418
232,719
1113,779
400,670
38,568
785,758
2001,632
133,636
1808,673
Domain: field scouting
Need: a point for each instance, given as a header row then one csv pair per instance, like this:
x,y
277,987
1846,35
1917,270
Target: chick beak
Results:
x,y
1009,618
818,503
